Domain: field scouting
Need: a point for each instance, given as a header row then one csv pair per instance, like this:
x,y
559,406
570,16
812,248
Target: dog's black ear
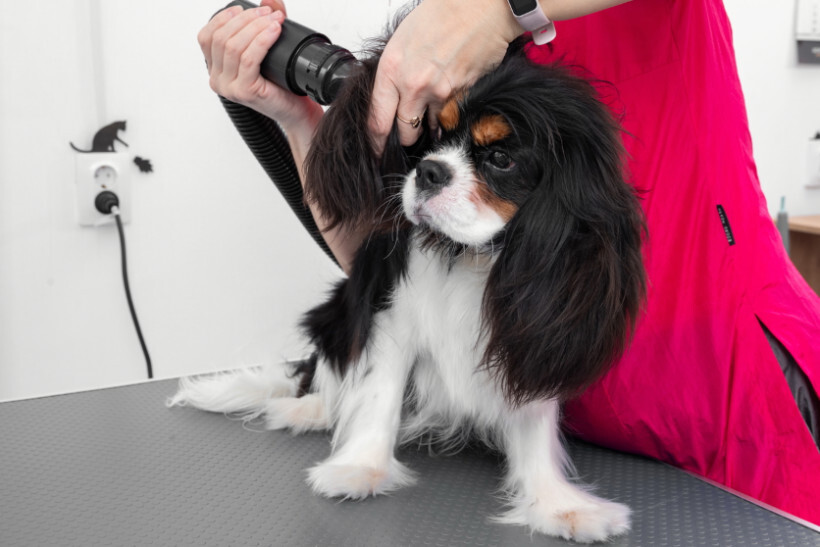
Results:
x,y
567,288
342,174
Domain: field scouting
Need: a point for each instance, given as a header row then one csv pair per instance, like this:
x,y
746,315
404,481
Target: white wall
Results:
x,y
782,99
220,269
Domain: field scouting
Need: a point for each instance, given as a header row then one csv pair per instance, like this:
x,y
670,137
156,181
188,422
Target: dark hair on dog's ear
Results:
x,y
349,183
568,286
342,174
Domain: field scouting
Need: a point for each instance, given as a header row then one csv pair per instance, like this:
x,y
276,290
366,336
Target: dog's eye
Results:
x,y
500,160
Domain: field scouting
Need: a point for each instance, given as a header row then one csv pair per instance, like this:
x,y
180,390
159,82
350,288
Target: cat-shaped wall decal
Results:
x,y
104,138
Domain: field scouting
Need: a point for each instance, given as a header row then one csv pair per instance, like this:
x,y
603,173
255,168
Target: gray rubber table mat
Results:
x,y
115,467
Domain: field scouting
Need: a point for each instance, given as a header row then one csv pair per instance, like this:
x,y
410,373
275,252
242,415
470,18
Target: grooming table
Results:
x,y
116,467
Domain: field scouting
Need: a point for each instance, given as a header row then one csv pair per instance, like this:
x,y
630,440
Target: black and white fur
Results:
x,y
500,278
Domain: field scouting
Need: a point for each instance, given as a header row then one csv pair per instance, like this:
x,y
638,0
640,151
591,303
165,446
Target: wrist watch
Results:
x,y
529,15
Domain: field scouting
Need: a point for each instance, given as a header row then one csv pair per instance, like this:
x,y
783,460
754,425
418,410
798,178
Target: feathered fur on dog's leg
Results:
x,y
368,415
244,391
541,496
270,390
311,411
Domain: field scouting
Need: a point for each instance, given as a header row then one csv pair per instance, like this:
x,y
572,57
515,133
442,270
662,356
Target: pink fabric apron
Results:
x,y
700,387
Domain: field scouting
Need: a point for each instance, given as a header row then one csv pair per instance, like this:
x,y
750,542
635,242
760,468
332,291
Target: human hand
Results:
x,y
234,43
441,46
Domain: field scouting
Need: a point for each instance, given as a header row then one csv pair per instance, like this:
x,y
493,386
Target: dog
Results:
x,y
502,275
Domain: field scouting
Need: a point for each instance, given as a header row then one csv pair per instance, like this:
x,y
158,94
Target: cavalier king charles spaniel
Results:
x,y
502,274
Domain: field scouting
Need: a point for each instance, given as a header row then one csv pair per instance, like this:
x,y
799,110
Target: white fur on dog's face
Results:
x,y
459,210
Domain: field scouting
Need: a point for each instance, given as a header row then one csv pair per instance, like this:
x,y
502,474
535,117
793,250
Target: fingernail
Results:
x,y
264,10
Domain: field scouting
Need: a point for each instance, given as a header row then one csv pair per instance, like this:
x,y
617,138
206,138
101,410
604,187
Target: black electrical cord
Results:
x,y
107,203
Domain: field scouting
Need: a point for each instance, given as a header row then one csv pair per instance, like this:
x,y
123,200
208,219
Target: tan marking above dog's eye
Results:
x,y
448,118
490,129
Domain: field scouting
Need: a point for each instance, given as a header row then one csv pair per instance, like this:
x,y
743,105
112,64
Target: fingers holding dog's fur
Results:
x,y
384,102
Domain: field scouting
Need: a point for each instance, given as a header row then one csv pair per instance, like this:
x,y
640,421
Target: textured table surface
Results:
x,y
116,467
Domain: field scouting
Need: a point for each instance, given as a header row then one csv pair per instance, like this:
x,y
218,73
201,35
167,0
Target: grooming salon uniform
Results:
x,y
700,387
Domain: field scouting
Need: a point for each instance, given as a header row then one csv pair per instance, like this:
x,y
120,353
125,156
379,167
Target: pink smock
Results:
x,y
700,387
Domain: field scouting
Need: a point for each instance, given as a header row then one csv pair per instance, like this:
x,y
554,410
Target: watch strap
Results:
x,y
543,30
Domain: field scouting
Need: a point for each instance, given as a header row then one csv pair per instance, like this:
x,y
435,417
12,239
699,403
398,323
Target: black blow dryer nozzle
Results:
x,y
305,61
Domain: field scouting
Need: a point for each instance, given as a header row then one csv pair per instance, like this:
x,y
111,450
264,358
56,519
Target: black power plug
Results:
x,y
106,201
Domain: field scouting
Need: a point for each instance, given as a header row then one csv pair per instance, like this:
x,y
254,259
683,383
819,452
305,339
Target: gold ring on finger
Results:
x,y
414,122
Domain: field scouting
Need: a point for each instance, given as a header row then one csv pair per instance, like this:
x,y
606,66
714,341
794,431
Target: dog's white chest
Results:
x,y
438,306
442,302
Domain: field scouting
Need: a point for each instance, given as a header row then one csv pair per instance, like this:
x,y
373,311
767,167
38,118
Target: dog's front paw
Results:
x,y
351,481
586,521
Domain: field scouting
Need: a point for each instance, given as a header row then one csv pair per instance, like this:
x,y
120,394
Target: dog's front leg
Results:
x,y
368,415
541,496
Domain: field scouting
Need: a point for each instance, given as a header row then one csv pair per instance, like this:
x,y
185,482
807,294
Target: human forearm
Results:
x,y
561,10
343,241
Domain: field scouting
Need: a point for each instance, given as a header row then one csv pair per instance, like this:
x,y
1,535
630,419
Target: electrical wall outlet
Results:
x,y
96,172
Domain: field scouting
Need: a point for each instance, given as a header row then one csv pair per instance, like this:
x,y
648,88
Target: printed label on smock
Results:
x,y
727,229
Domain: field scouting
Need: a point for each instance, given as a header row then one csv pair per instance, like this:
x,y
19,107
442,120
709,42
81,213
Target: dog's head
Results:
x,y
529,168
496,146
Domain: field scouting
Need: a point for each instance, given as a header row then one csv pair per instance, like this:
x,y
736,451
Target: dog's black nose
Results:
x,y
431,174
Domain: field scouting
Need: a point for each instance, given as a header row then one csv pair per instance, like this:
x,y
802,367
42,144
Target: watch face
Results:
x,y
520,7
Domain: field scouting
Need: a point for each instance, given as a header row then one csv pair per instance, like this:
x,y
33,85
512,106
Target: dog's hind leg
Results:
x,y
298,414
244,391
310,411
